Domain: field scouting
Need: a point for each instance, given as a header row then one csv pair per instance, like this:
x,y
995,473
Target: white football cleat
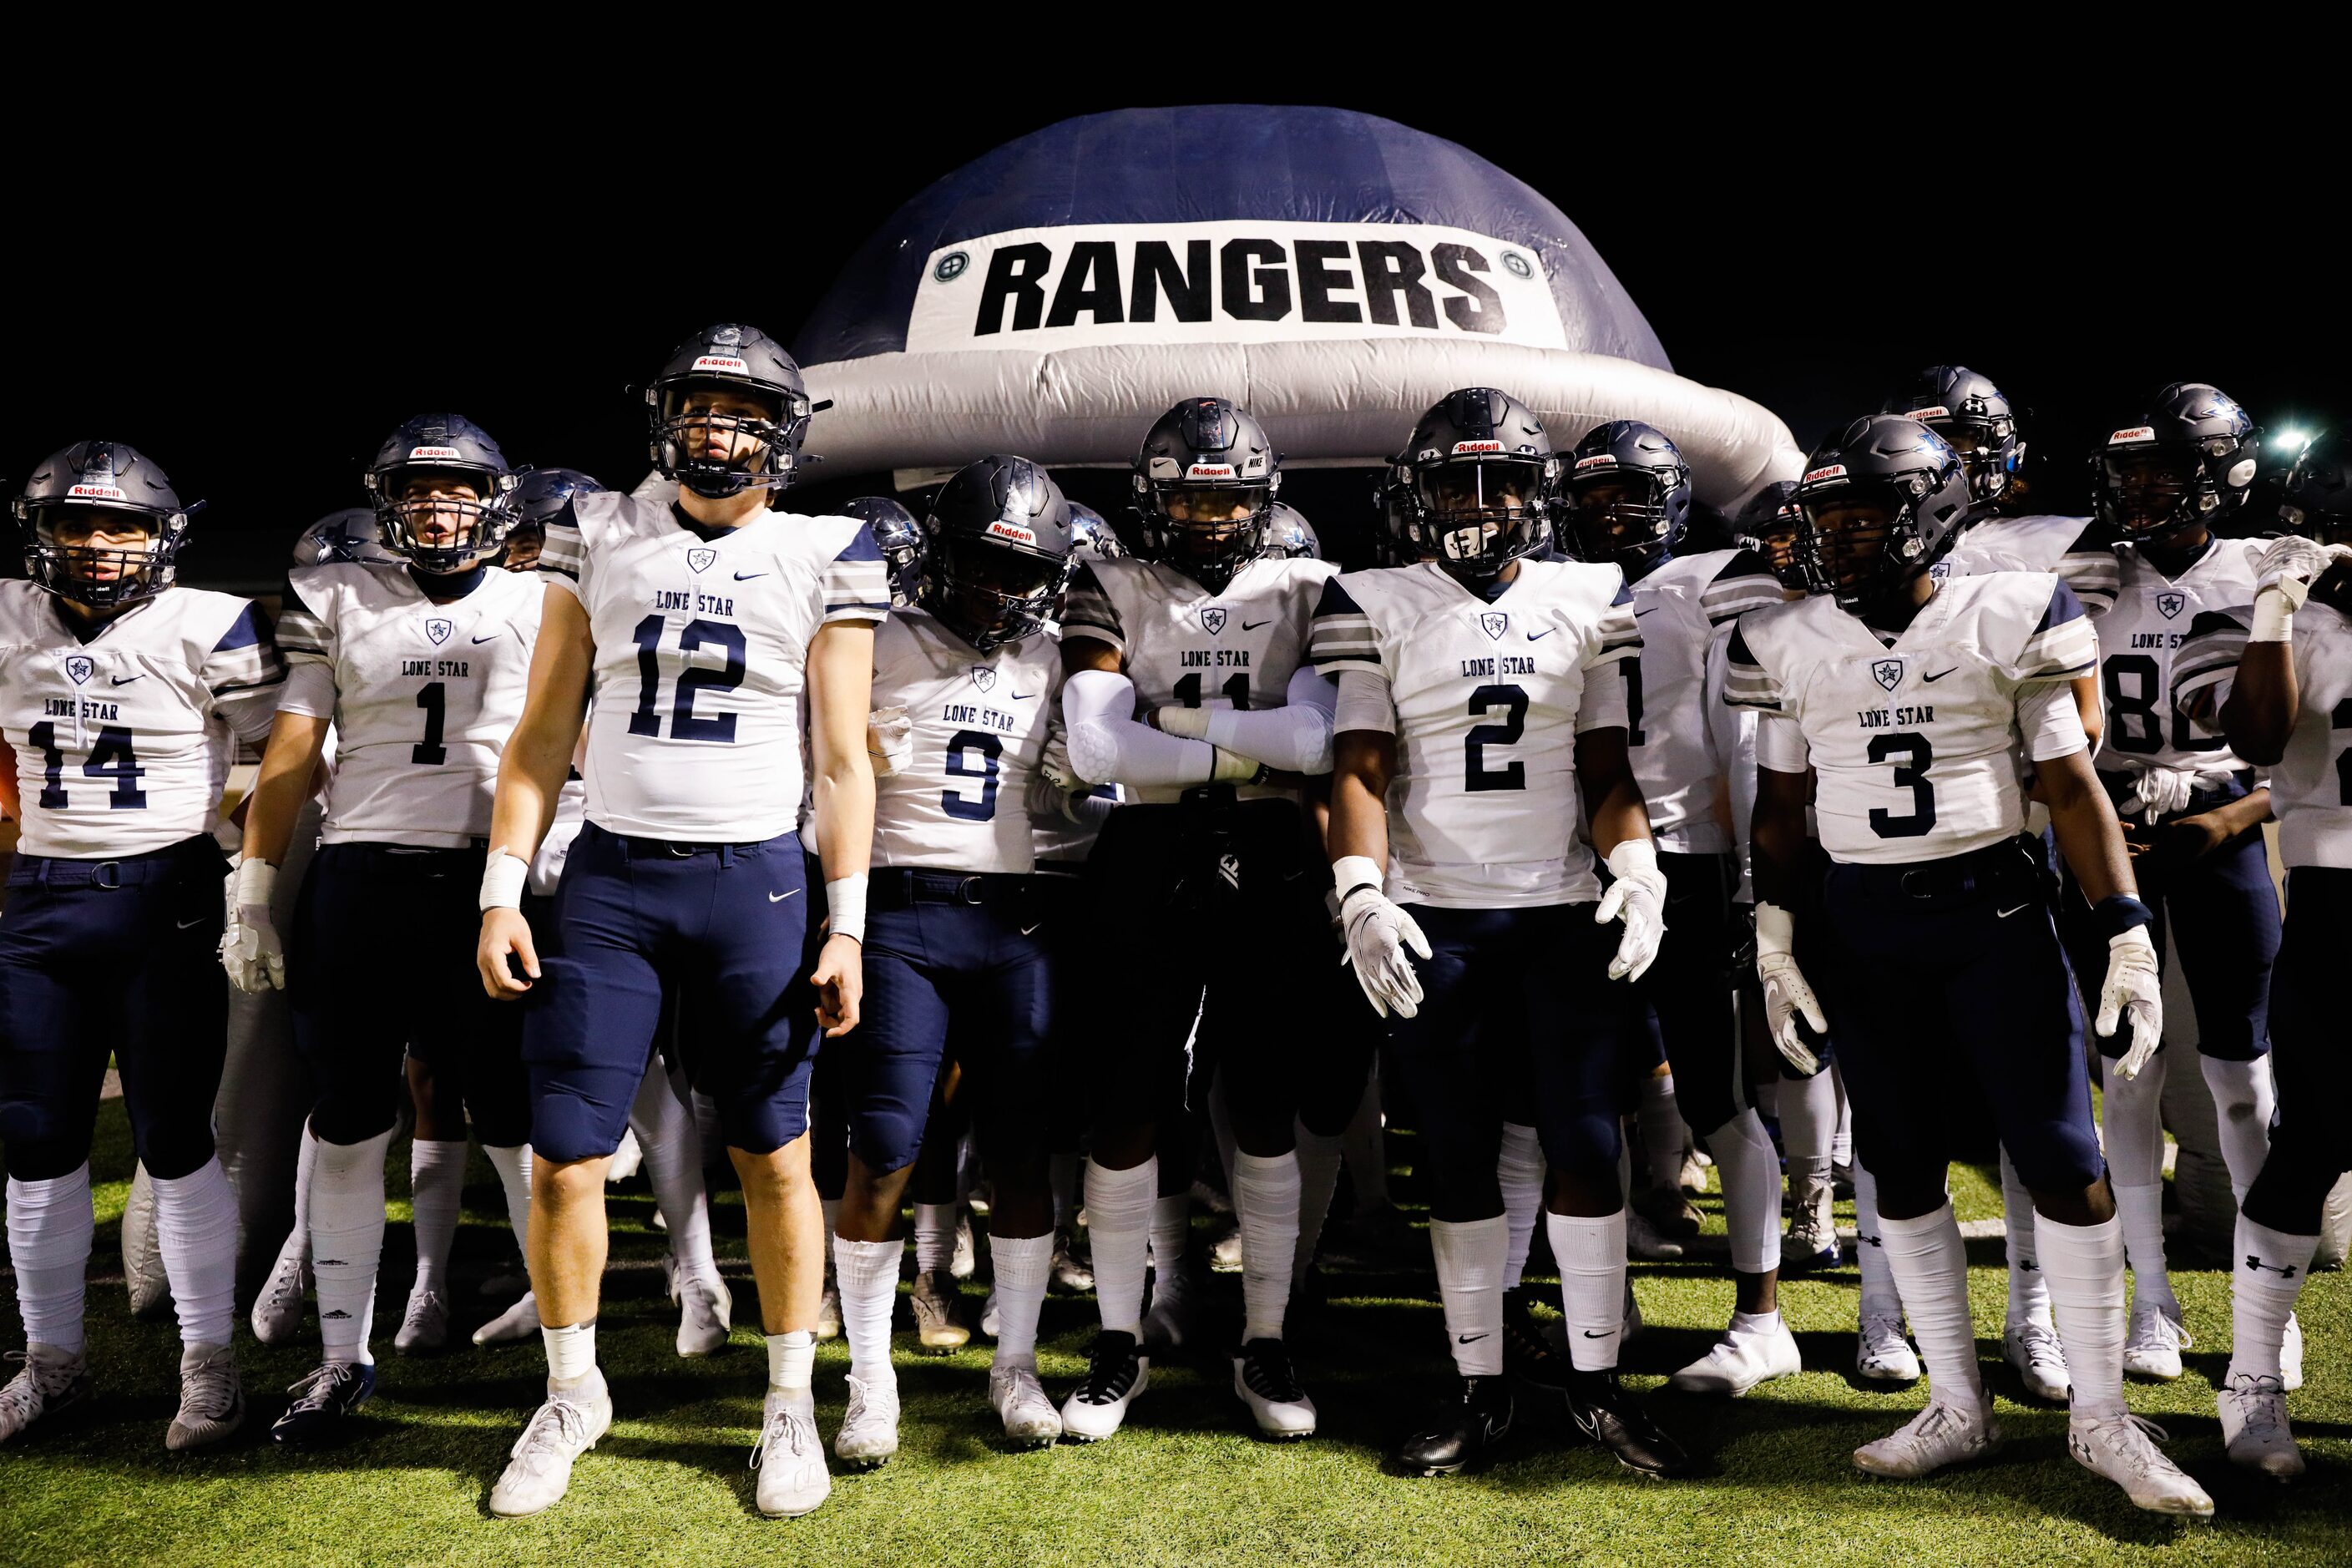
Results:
x,y
828,1312
2290,1356
48,1383
966,1258
1938,1435
539,1469
425,1326
869,1438
791,1461
937,1328
1738,1363
212,1399
518,1322
277,1310
1019,1400
991,1318
2040,1361
626,1159
1882,1353
1168,1325
1116,1378
142,1250
706,1315
2123,1449
2152,1349
1073,1269
1266,1382
2254,1428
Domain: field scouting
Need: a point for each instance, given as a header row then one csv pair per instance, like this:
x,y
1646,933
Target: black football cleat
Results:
x,y
1528,1354
1607,1412
1461,1432
321,1402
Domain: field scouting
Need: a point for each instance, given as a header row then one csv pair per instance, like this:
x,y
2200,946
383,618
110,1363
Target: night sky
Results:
x,y
259,329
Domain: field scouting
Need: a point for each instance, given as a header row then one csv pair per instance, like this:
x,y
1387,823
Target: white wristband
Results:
x,y
1632,857
1232,767
845,908
254,879
1350,872
2273,617
503,878
1191,723
1776,929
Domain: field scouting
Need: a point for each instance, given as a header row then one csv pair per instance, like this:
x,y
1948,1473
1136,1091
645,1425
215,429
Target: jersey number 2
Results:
x,y
683,723
1475,774
111,758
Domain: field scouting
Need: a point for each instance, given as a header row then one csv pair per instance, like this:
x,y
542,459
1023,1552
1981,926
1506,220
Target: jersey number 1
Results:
x,y
683,723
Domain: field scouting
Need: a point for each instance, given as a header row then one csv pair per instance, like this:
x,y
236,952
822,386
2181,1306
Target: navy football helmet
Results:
x,y
1092,538
714,454
1771,525
348,534
542,493
999,552
2186,465
2317,502
434,531
1879,502
1475,486
1204,485
1290,535
899,538
94,489
1969,411
1629,495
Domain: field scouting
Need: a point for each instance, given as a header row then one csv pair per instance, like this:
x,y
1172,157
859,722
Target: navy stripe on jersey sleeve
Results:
x,y
1340,636
2091,569
2209,654
246,657
561,554
2063,646
1088,610
1745,583
1745,682
857,584
1621,633
302,635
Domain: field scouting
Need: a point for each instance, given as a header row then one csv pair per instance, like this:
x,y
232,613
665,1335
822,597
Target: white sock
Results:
x,y
1930,1264
196,1229
1750,1174
49,1227
2265,1277
1470,1255
672,1146
866,1275
1842,1141
2244,1099
2141,1209
2083,1266
513,1166
306,1165
1592,1257
2029,1296
1171,1233
1024,1264
1063,1170
1663,1135
1118,1221
1319,1179
436,1185
347,1242
1879,1295
1519,1172
935,1230
1266,1202
1363,1149
792,1363
1807,1126
570,1356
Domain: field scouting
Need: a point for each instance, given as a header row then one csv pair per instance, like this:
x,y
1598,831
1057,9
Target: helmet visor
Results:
x,y
714,425
105,549
441,517
1456,492
2150,487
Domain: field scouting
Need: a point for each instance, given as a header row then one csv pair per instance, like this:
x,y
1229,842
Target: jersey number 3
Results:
x,y
683,723
1910,772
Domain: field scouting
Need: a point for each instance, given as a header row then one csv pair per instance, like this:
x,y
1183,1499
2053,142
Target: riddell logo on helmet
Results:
x,y
718,361
1935,411
1209,471
432,454
1598,461
1462,446
1013,531
1826,471
2136,433
96,492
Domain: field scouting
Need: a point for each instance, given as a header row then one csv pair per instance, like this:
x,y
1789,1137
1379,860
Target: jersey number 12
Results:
x,y
684,725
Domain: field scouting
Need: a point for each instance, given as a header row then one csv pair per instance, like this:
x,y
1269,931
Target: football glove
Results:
x,y
1054,764
1787,996
2136,988
2158,792
1378,934
1638,897
250,948
890,741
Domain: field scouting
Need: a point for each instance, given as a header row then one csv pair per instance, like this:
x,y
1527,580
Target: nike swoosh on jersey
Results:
x,y
780,897
747,577
1939,674
1539,637
1252,625
492,637
127,680
2004,914
1651,611
185,925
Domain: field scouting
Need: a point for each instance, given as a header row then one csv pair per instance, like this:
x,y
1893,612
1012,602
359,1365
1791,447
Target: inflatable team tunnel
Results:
x,y
1333,272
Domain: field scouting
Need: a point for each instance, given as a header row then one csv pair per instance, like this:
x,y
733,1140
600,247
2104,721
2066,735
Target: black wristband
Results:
x,y
2113,916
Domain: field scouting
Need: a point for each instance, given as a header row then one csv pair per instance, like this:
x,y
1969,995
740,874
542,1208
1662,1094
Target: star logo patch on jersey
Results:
x,y
1213,617
436,631
983,677
1495,623
1888,672
1941,572
78,668
700,559
2169,606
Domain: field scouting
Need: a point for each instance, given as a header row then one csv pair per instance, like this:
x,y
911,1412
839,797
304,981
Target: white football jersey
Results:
x,y
425,695
2073,547
2311,784
701,655
1679,604
980,724
2138,637
1914,744
1489,698
1183,646
124,740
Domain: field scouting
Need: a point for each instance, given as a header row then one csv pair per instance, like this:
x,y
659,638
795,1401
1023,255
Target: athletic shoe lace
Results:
x,y
1267,1371
422,1306
284,1286
316,1389
1110,1374
2159,1327
2262,1407
791,1428
209,1389
32,1387
1927,1429
2133,1440
557,1428
2039,1343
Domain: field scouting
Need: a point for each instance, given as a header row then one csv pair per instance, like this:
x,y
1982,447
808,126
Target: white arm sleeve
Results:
x,y
310,690
1295,737
1108,746
1781,744
2050,723
1365,703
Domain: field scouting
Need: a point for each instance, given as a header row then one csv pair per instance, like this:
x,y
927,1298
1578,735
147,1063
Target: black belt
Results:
x,y
2012,866
123,871
895,887
637,848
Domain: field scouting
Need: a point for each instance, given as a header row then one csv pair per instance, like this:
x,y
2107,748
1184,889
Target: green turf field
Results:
x,y
1183,1484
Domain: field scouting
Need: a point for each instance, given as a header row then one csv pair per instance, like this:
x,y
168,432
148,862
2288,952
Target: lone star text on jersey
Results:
x,y
1895,718
694,599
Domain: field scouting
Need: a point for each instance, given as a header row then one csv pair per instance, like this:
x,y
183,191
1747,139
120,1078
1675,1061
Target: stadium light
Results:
x,y
2291,440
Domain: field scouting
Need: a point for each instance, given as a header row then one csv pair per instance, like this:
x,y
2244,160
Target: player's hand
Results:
x,y
250,948
1636,895
1379,933
2136,988
2291,564
505,932
2192,837
1790,1004
890,741
840,981
1191,723
1054,764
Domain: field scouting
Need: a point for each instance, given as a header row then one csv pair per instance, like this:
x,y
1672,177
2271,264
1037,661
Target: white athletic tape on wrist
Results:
x,y
503,878
1776,929
2273,617
1191,723
254,879
1350,872
845,906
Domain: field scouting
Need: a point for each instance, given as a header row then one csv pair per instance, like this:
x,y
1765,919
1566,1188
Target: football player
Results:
x,y
1291,535
2193,814
1478,718
1909,699
1189,688
1629,494
2276,680
898,536
121,694
964,688
699,624
1092,538
418,662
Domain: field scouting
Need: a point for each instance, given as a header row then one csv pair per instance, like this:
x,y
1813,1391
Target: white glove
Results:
x,y
1787,994
249,949
1379,932
2135,987
2160,792
890,741
1637,896
2291,564
1054,764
